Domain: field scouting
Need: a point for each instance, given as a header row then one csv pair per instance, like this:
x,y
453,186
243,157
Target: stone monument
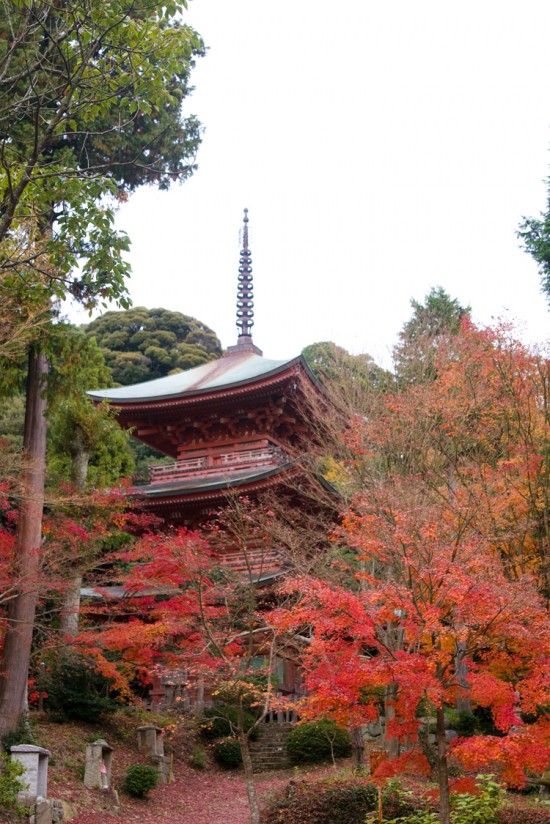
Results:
x,y
99,761
35,762
151,742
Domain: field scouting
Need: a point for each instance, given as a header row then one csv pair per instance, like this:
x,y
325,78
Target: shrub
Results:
x,y
482,808
524,815
139,779
323,802
335,801
220,722
318,741
478,722
479,809
420,817
76,691
465,724
24,734
197,759
10,784
227,753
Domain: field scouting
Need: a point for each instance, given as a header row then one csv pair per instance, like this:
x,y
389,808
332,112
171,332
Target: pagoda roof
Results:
x,y
233,370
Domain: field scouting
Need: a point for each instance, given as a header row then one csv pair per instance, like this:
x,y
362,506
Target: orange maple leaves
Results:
x,y
450,526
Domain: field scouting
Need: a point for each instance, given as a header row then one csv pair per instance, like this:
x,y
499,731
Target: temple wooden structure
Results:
x,y
235,423
238,423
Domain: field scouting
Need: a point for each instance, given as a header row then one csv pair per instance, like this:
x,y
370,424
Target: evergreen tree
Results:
x,y
439,316
141,344
75,77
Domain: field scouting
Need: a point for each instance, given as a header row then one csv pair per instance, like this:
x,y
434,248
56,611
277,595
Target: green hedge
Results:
x,y
334,801
315,742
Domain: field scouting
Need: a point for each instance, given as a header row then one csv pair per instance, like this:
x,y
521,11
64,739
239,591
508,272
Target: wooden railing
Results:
x,y
216,464
281,717
255,561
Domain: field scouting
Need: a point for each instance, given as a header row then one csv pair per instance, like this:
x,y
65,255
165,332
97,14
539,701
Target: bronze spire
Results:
x,y
245,294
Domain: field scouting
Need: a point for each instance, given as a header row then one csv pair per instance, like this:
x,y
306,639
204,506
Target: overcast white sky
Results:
x,y
382,148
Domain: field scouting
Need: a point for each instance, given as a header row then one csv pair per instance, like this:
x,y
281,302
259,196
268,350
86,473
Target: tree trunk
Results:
x,y
358,744
247,767
21,610
463,703
249,779
391,745
442,772
70,609
199,704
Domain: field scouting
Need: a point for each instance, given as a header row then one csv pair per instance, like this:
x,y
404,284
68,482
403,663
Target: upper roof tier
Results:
x,y
233,370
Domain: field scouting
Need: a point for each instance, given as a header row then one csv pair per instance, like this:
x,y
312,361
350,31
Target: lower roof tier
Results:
x,y
190,502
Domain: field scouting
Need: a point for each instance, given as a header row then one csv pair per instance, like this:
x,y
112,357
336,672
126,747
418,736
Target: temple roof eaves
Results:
x,y
230,372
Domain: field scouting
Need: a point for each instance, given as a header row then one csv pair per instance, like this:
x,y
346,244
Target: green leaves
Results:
x,y
535,236
90,108
142,344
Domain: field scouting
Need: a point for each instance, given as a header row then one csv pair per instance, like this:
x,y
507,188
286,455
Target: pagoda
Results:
x,y
237,423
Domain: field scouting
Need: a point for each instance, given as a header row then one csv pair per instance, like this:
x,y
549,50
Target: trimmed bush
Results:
x,y
323,802
335,801
227,753
139,779
317,741
221,720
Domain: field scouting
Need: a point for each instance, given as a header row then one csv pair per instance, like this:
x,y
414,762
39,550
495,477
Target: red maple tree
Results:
x,y
184,610
449,525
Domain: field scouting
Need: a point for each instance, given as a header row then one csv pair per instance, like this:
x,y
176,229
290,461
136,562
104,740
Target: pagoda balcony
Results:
x,y
255,563
214,464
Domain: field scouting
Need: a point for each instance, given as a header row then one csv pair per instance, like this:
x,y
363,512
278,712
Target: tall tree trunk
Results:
x,y
199,704
463,703
358,745
21,610
70,609
391,745
442,770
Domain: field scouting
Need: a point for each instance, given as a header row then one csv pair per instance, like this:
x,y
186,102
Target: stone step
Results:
x,y
268,752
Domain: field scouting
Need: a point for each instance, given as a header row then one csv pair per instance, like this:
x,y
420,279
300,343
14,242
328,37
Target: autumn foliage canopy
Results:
x,y
449,529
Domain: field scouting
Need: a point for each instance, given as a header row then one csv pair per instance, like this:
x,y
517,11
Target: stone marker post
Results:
x,y
151,742
35,762
99,762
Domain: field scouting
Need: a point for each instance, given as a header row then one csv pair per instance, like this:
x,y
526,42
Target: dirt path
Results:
x,y
195,798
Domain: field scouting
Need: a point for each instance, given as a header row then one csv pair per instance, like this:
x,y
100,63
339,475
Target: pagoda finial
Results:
x,y
245,294
245,290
